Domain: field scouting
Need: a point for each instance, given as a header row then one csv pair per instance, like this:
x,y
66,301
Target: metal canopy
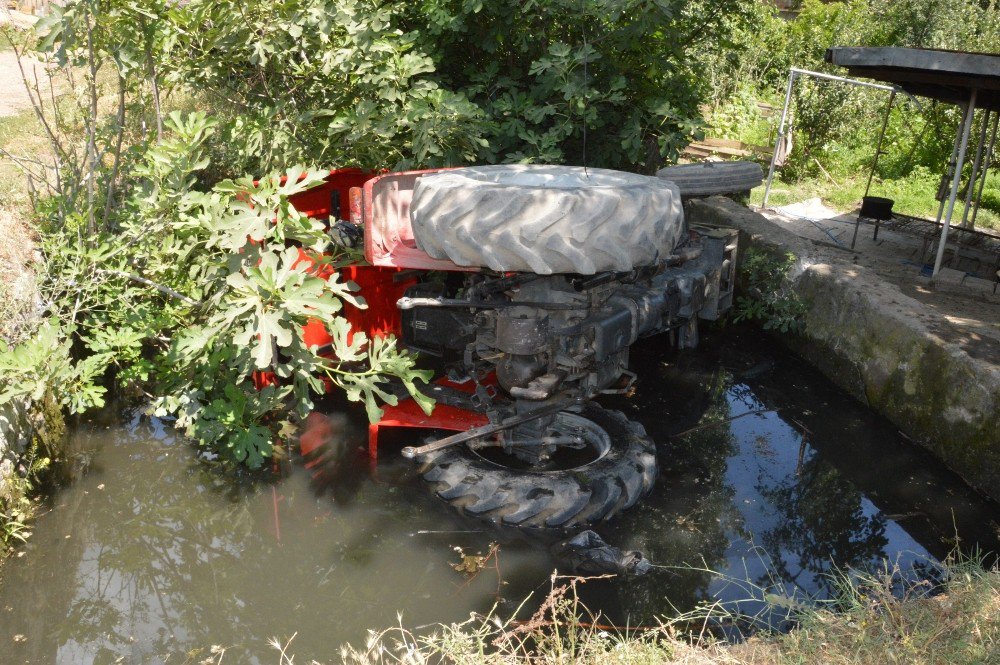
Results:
x,y
950,76
971,80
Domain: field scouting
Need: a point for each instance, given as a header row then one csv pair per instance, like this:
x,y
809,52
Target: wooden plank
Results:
x,y
722,143
731,147
705,151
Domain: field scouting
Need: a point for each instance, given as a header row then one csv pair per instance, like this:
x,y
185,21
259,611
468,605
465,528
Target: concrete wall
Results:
x,y
874,342
16,432
24,425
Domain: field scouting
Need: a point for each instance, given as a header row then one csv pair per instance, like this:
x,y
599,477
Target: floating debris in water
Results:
x,y
587,553
471,564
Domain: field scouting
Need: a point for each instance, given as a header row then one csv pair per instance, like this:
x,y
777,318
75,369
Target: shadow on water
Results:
x,y
149,553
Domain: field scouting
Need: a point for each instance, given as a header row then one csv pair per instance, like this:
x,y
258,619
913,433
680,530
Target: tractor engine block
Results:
x,y
569,335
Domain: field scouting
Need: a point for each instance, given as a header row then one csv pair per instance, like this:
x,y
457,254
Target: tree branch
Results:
x,y
166,290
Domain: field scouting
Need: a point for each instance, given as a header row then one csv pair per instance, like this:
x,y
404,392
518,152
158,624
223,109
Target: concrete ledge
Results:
x,y
15,435
880,345
37,428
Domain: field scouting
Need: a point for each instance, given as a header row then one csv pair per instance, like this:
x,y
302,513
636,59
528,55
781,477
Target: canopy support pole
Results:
x,y
970,188
881,138
965,130
986,169
781,135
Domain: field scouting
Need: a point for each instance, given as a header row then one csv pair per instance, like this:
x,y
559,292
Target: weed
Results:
x,y
17,503
769,296
869,621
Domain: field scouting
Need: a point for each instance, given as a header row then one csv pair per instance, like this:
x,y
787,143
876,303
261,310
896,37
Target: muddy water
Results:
x,y
149,555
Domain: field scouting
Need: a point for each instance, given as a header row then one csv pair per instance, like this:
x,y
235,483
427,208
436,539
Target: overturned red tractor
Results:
x,y
528,284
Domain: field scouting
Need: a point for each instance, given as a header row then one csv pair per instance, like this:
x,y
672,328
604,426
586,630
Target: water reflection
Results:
x,y
820,523
118,556
779,481
798,486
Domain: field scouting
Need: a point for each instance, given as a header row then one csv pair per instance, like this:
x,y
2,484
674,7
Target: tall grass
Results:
x,y
873,618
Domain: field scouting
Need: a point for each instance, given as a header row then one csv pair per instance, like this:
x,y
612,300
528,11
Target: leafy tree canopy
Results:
x,y
613,83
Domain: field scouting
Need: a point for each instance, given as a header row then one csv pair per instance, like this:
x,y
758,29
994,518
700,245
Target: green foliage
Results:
x,y
752,60
174,277
16,510
17,503
255,299
193,293
740,119
255,293
968,25
769,297
833,123
615,84
445,82
109,53
320,81
36,365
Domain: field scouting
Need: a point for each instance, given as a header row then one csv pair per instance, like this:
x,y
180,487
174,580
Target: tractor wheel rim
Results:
x,y
597,444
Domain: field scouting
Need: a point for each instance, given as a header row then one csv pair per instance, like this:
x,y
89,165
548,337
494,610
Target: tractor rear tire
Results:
x,y
564,499
546,219
709,178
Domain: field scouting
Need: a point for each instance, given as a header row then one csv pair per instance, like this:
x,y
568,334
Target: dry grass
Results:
x,y
959,625
19,134
956,623
17,276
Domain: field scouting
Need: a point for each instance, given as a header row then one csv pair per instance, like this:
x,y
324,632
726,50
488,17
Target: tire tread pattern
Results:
x,y
707,178
554,499
601,220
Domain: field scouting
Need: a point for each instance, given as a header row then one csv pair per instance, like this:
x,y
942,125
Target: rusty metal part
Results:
x,y
407,302
476,432
565,441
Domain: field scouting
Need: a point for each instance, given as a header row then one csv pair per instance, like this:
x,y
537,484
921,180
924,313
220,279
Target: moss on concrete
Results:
x,y
31,434
874,342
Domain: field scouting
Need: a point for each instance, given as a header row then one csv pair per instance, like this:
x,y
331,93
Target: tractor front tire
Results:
x,y
546,219
581,496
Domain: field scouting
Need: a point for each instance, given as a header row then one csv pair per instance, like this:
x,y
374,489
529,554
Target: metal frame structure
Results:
x,y
980,165
783,126
966,79
985,166
981,162
957,163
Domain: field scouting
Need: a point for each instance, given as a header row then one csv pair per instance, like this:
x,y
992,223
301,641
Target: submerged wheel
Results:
x,y
546,219
621,469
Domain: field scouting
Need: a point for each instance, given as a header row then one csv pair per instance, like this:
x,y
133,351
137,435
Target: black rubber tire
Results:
x,y
565,499
708,178
546,219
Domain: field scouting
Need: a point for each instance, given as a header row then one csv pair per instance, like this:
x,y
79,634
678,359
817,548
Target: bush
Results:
x,y
319,81
768,295
443,82
151,282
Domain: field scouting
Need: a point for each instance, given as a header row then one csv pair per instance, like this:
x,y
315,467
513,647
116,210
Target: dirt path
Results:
x,y
13,96
18,255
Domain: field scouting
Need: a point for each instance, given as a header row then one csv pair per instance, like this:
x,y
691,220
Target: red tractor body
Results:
x,y
529,283
381,202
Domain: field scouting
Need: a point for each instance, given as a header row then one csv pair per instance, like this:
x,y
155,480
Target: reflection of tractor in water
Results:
x,y
529,283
